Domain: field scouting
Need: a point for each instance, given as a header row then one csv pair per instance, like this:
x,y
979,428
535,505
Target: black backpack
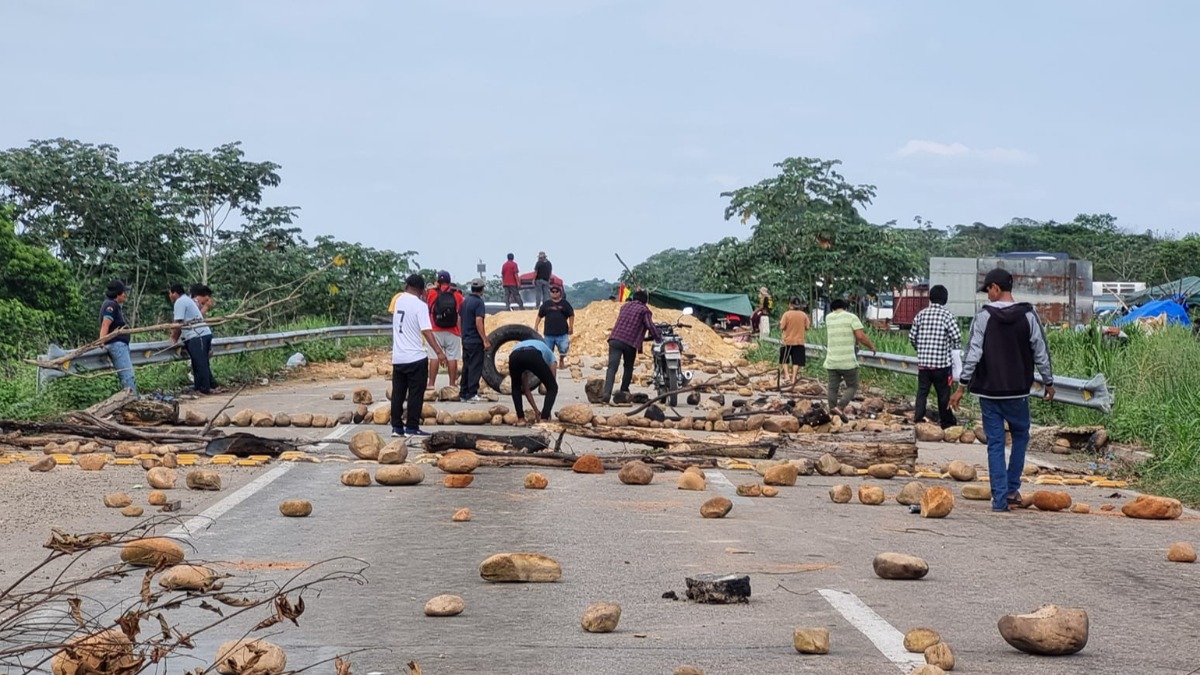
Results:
x,y
445,309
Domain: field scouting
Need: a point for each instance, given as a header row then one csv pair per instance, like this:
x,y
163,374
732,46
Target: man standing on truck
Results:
x,y
843,332
542,271
510,278
1006,343
445,303
935,334
560,321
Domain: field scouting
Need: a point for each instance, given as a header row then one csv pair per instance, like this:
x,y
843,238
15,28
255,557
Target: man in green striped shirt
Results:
x,y
842,331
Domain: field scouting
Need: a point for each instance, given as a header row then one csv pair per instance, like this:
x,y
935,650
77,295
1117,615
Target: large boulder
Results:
x,y
356,478
928,432
262,419
960,470
576,413
918,640
187,578
781,424
117,500
296,508
911,493
1149,507
828,465
1182,551
635,472
152,552
690,480
1046,500
782,474
520,567
900,566
93,462
473,416
841,494
882,471
939,655
108,651
811,640
457,480
937,502
459,461
399,474
601,617
871,495
977,491
161,478
203,479
366,444
1049,631
588,464
445,605
536,481
395,452
717,507
250,657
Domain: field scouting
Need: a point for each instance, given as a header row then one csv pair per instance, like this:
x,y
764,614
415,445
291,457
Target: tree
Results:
x,y
671,269
583,293
38,299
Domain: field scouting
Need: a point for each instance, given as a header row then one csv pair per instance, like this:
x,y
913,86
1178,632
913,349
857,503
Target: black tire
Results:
x,y
672,385
513,332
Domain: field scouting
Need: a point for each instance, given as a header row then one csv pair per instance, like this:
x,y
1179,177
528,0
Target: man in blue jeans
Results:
x,y
560,321
112,319
1007,342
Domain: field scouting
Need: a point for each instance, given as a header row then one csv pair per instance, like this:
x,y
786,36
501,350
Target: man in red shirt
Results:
x,y
510,277
445,303
625,340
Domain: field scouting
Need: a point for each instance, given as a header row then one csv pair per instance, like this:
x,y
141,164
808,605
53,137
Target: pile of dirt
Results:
x,y
592,324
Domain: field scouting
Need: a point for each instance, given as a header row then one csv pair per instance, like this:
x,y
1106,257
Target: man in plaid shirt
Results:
x,y
625,340
934,334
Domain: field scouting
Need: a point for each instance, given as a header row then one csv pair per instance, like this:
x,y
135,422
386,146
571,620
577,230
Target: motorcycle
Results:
x,y
669,374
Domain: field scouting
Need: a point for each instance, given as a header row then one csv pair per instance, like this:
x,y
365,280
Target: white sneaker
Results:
x,y
476,399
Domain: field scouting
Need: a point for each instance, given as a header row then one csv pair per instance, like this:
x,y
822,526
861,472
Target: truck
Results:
x,y
1058,287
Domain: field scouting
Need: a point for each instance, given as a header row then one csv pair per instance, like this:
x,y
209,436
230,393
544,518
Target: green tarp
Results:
x,y
1188,287
723,303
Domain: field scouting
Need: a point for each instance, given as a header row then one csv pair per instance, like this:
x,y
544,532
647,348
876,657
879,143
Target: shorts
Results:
x,y
792,354
563,342
450,343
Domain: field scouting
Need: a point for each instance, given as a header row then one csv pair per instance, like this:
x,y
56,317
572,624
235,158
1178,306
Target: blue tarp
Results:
x,y
1176,314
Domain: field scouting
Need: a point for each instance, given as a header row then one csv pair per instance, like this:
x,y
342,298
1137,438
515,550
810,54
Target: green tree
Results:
x,y
672,269
38,300
583,293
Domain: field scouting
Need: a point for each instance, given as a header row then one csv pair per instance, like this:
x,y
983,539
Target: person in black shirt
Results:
x,y
475,342
112,319
542,272
560,322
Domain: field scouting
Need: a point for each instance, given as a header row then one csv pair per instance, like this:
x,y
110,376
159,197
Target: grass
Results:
x,y
1151,376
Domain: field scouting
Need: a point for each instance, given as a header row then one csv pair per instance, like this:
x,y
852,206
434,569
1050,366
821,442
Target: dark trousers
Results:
x,y
618,351
408,384
201,372
939,379
472,369
523,361
512,296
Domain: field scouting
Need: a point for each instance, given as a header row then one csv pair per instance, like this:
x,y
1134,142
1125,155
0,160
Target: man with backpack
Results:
x,y
445,304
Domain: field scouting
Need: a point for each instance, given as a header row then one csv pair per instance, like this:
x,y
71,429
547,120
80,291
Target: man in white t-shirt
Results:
x,y
411,330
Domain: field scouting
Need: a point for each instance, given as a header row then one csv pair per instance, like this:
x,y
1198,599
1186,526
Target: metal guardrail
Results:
x,y
1091,393
162,351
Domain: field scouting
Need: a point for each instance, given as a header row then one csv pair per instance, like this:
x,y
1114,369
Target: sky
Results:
x,y
468,129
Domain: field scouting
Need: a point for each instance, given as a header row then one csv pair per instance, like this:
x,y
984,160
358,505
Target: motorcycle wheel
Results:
x,y
672,385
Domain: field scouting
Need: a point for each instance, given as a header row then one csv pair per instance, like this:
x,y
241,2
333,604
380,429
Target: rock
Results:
x,y
242,418
535,481
601,617
847,470
769,491
717,507
749,490
92,462
803,466
952,434
44,464
356,362
150,463
618,420
688,670
520,567
473,416
1081,508
458,461
811,640
117,500
356,478
576,413
1182,551
187,578
445,605
928,432
366,444
151,552
900,566
937,502
841,494
203,479
781,424
395,452
918,640
161,478
691,481
302,420
382,414
296,508
588,464
337,396
911,493
319,421
444,417
1049,631
977,491
448,393
871,495
360,414
1045,500
132,511
109,651
457,480
234,656
755,422
262,419
882,471
170,460
1108,507
636,472
718,589
961,471
399,474
222,420
939,655
966,437
461,516
363,396
781,474
1148,507
828,465
282,419
927,669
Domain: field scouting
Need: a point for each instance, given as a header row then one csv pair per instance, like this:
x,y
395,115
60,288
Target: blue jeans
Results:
x,y
122,363
563,342
543,290
996,411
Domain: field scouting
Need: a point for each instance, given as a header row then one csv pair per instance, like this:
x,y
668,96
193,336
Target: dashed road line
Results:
x,y
885,637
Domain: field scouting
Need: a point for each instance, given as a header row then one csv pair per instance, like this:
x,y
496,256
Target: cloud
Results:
x,y
917,148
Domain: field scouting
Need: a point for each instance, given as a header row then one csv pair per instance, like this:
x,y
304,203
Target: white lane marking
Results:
x,y
196,524
724,485
885,637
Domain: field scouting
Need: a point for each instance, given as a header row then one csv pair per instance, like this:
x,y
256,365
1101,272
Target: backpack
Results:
x,y
445,309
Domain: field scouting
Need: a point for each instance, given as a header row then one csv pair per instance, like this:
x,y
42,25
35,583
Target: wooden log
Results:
x,y
441,441
857,450
148,412
655,438
111,404
717,589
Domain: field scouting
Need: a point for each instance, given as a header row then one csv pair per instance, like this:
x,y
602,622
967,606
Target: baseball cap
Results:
x,y
415,281
443,277
999,276
555,287
478,283
541,254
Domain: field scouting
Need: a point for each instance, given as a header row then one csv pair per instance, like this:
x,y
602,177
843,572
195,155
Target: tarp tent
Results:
x,y
1188,287
1176,314
721,303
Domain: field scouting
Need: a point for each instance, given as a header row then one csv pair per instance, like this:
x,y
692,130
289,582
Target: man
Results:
x,y
625,341
190,327
935,334
445,304
112,319
411,326
202,296
794,324
560,321
542,271
532,357
474,342
510,277
1006,343
843,332
761,319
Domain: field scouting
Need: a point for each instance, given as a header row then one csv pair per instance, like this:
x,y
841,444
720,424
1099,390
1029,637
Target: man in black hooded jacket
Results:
x,y
1006,343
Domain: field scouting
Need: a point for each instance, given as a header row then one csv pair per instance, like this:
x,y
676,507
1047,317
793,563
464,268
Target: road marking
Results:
x,y
724,485
885,637
197,524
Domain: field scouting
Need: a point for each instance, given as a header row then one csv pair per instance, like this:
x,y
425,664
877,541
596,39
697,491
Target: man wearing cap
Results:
x,y
560,321
542,272
1006,344
445,305
510,278
474,342
625,340
112,319
412,329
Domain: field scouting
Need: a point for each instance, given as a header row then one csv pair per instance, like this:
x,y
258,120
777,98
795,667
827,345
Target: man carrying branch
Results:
x,y
190,326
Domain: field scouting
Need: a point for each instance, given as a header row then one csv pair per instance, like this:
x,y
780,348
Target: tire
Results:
x,y
672,385
513,332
